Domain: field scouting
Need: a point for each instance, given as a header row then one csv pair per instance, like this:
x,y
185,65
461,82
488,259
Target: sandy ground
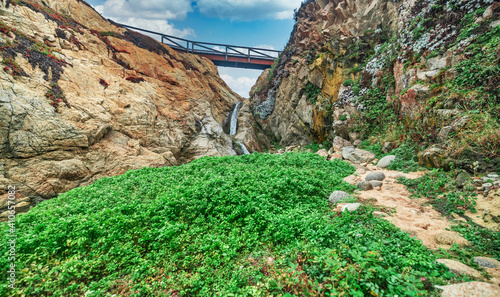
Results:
x,y
419,219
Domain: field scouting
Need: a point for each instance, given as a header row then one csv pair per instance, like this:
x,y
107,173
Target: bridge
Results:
x,y
220,54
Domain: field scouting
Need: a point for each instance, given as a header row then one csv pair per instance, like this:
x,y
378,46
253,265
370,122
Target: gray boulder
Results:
x,y
386,161
365,185
356,155
339,143
350,207
377,175
338,196
487,262
376,183
462,179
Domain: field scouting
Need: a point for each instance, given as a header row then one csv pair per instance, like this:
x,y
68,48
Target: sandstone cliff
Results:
x,y
81,98
419,72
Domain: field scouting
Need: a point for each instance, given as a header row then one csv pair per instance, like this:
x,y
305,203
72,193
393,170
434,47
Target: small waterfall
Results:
x,y
243,148
234,119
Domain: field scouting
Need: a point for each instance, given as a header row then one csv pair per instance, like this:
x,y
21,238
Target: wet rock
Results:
x,y
356,155
365,185
386,161
338,196
487,262
377,175
470,289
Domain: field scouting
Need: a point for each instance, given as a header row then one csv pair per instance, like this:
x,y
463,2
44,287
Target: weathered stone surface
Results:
x,y
450,238
356,155
487,262
339,143
434,157
459,268
470,289
365,185
462,179
173,116
322,153
338,196
377,175
386,161
376,183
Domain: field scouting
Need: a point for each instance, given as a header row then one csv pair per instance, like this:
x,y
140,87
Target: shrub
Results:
x,y
210,227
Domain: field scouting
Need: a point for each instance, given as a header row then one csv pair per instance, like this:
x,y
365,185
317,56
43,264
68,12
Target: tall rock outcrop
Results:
x,y
421,72
81,98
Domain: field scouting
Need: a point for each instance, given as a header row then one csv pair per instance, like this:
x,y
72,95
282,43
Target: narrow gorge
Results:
x,y
365,162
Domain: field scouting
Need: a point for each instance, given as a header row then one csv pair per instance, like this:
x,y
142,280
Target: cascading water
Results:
x,y
243,148
234,119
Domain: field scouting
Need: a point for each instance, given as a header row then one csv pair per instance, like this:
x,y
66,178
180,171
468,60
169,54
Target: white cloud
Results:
x,y
239,80
149,9
149,14
247,10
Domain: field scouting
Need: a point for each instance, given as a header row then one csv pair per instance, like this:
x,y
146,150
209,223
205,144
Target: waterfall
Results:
x,y
234,119
243,148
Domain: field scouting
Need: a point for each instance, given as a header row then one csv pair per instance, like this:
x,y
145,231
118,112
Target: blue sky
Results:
x,y
257,23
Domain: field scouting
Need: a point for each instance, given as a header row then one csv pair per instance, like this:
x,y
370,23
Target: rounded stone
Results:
x,y
365,186
386,161
487,262
350,207
376,183
377,175
338,196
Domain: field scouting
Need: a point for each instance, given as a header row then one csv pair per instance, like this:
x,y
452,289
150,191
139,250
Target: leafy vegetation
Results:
x,y
312,92
253,225
440,187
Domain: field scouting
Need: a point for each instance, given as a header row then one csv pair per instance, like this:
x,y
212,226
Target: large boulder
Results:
x,y
377,175
459,268
470,289
386,161
356,155
434,157
339,143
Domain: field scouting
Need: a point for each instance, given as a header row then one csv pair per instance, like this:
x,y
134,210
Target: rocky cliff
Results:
x,y
425,73
81,98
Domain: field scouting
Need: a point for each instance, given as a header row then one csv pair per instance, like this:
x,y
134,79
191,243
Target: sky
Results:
x,y
253,23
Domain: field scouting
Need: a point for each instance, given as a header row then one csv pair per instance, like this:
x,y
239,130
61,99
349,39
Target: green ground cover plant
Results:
x,y
439,186
253,225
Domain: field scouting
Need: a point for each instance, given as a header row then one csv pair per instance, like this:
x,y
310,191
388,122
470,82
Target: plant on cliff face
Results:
x,y
56,95
312,91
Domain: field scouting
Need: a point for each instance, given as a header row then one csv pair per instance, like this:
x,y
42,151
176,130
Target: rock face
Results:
x,y
131,102
359,69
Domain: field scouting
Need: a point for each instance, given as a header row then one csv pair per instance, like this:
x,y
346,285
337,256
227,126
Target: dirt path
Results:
x,y
418,218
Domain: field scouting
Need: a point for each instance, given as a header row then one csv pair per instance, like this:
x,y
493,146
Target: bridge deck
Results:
x,y
220,54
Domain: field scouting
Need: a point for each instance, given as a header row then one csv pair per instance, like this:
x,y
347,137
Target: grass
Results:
x,y
254,225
